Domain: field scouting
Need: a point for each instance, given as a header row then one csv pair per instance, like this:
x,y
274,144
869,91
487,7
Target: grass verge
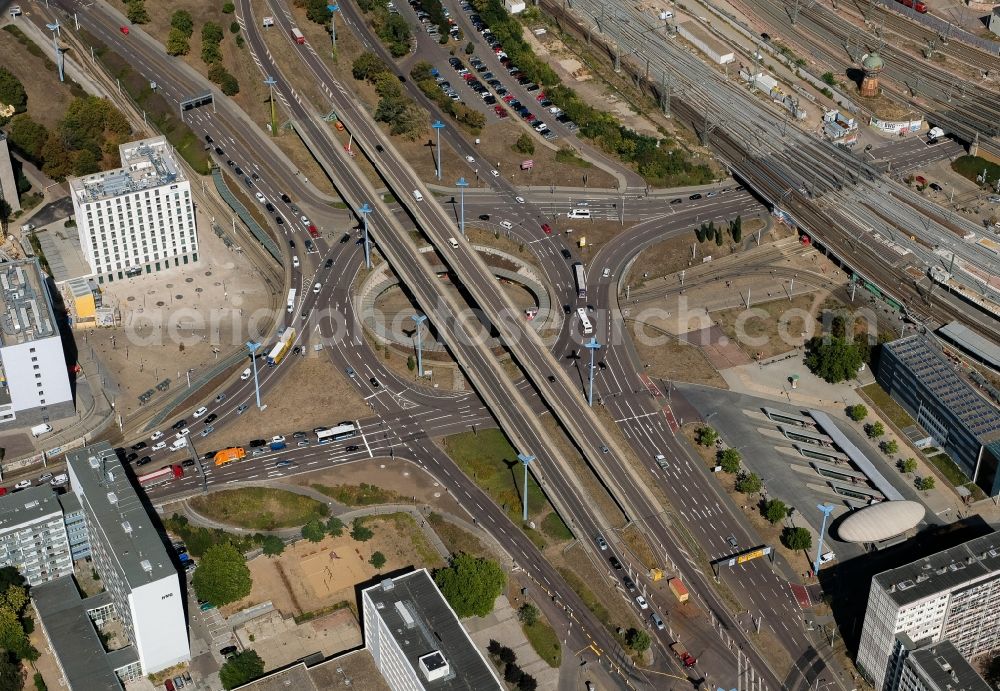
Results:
x,y
971,167
881,399
588,597
259,508
456,539
358,495
544,640
554,527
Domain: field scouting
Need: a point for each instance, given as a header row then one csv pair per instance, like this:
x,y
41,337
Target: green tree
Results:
x,y
272,545
366,66
775,510
889,447
5,212
177,43
926,483
211,54
706,436
335,527
222,575
874,430
28,136
528,614
361,532
377,560
411,363
227,82
512,673
314,530
796,538
136,12
182,21
241,668
57,160
10,674
524,144
749,483
527,683
317,11
85,162
638,640
211,33
469,48
833,359
907,465
39,682
228,8
234,28
12,91
736,230
13,637
829,78
470,584
991,673
857,412
718,236
730,460
699,233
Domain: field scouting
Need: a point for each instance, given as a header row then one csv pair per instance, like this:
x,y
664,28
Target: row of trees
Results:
x,y
708,231
394,107
15,627
390,27
181,29
317,11
505,658
87,136
136,12
471,118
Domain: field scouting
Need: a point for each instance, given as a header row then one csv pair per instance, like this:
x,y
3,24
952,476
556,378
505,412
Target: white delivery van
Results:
x,y
453,242
59,480
579,213
178,444
39,430
418,196
246,374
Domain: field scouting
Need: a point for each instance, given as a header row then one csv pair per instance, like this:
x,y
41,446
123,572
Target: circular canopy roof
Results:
x,y
873,61
880,521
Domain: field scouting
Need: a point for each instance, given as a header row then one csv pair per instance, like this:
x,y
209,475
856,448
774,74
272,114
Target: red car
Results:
x,y
547,228
529,117
313,230
123,29
508,98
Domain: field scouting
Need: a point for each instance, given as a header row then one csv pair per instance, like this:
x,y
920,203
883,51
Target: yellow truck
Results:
x,y
678,589
227,456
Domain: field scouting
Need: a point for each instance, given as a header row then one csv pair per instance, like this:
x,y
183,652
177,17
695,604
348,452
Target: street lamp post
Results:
x,y
270,82
56,34
253,347
419,319
438,126
592,345
526,461
333,25
827,509
462,184
365,210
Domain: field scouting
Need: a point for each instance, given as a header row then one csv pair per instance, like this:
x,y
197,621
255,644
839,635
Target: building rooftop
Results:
x,y
941,665
31,504
965,338
103,488
856,455
25,308
423,624
74,639
146,163
355,670
973,560
69,503
939,377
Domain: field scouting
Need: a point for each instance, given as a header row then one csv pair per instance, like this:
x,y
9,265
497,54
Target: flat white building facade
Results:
x,y
138,218
131,558
35,384
33,535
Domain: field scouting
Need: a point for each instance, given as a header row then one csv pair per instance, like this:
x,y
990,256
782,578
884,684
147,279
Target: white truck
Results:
x,y
934,134
39,430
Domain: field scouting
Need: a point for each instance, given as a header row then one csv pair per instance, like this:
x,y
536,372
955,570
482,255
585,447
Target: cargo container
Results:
x,y
678,589
229,455
158,477
297,36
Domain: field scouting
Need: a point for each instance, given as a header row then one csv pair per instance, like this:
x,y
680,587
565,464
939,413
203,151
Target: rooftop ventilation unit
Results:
x,y
906,585
388,584
405,615
146,566
127,527
434,666
112,498
94,462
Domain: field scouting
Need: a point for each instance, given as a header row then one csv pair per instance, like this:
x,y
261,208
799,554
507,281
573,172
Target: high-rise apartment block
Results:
x,y
131,558
138,218
33,535
34,386
933,667
953,595
417,640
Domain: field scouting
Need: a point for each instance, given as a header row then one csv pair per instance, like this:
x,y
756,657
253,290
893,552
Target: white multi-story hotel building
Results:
x,y
953,595
138,218
34,386
132,560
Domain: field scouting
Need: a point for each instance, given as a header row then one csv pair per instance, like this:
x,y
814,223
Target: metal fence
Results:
x,y
236,205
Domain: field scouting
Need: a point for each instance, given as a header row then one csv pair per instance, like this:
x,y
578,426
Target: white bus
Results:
x,y
291,300
336,433
581,281
588,328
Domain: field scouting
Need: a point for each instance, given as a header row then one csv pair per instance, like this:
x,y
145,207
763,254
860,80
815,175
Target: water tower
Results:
x,y
872,65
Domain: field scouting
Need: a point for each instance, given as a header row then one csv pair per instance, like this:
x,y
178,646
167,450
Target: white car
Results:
x,y
159,445
506,224
305,220
261,198
641,601
184,431
495,173
519,200
246,374
156,435
607,272
295,262
201,411
555,110
23,484
470,159
317,287
277,439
